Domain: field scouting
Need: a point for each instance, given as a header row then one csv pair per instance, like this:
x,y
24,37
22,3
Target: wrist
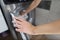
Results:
x,y
34,31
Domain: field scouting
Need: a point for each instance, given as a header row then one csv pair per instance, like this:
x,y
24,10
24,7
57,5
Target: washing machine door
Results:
x,y
8,19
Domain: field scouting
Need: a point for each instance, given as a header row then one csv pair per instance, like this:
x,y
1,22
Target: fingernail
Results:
x,y
13,22
16,29
14,25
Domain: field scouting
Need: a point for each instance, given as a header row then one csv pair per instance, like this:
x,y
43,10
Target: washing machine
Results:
x,y
13,7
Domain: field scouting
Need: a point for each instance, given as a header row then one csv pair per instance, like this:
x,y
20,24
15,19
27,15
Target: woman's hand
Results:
x,y
22,12
24,26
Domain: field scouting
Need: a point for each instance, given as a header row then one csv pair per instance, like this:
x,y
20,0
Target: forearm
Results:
x,y
50,28
33,5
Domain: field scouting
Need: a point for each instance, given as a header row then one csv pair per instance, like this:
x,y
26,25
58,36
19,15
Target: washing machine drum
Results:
x,y
15,1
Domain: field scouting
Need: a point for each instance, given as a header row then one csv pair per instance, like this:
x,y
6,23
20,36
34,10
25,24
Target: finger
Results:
x,y
13,22
19,19
18,30
18,26
18,22
14,25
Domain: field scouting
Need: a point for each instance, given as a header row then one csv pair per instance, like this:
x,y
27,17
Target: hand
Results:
x,y
23,12
24,26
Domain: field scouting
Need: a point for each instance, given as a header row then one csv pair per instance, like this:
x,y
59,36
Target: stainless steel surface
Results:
x,y
8,19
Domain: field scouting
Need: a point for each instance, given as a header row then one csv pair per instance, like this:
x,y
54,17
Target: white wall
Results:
x,y
55,9
45,16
